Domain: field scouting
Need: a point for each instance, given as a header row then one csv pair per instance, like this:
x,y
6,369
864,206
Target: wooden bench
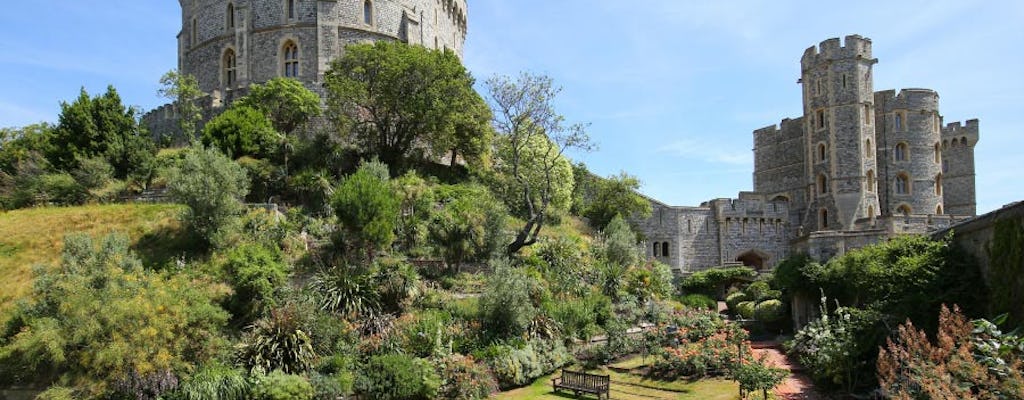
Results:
x,y
582,382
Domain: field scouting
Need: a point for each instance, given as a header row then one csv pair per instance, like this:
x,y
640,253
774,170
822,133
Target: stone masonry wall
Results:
x,y
958,183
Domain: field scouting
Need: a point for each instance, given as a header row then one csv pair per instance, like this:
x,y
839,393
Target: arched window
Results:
x,y
657,249
938,210
902,184
291,59
869,151
823,219
871,212
230,70
822,152
901,153
822,184
664,249
905,210
368,12
230,14
867,114
871,181
290,9
821,119
938,185
938,153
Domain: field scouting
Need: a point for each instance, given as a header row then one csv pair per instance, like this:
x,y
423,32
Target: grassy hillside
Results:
x,y
35,236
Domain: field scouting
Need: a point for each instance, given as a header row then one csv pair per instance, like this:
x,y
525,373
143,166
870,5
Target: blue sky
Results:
x,y
672,88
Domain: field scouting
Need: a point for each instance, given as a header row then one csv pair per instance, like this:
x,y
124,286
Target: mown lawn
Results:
x,y
35,236
630,387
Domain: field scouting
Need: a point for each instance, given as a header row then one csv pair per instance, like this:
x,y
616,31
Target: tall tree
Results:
x,y
285,101
183,90
534,138
398,100
616,195
367,207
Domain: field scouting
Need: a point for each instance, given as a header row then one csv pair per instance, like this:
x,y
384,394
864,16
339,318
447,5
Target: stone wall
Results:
x,y
958,176
911,119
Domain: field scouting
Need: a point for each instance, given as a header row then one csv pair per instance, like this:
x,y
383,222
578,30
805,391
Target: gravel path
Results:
x,y
798,386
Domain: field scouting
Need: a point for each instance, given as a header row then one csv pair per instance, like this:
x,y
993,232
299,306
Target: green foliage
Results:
x,y
736,298
332,387
100,127
183,90
57,393
616,195
838,348
578,317
769,311
99,320
215,382
425,334
19,144
506,306
567,266
462,378
515,366
279,341
396,98
757,375
532,177
242,131
711,281
397,284
256,273
649,282
619,246
212,186
1007,269
281,386
469,225
398,377
347,291
745,309
699,301
367,207
285,101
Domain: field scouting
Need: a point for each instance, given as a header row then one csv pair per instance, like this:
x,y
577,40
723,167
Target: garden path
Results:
x,y
798,385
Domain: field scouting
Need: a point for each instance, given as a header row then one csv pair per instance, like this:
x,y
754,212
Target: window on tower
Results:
x,y
290,5
368,12
291,59
901,153
231,16
902,184
230,70
897,121
821,119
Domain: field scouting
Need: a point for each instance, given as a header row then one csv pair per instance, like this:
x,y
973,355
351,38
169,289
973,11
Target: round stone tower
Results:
x,y
840,136
910,146
229,44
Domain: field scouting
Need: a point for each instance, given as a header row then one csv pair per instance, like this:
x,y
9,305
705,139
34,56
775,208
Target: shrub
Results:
x,y
769,311
398,377
462,378
212,186
333,386
215,382
756,375
256,273
712,281
278,342
745,309
699,301
736,298
57,393
517,366
709,347
281,386
347,291
426,334
837,347
506,306
367,207
242,131
397,284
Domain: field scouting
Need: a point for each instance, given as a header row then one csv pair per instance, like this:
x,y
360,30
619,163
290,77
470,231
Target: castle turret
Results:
x,y
838,121
958,192
909,151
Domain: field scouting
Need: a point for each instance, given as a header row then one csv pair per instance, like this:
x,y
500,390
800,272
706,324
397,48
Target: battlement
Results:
x,y
908,99
966,132
749,205
773,134
852,47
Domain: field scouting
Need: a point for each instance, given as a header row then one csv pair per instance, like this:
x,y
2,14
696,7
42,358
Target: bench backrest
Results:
x,y
585,380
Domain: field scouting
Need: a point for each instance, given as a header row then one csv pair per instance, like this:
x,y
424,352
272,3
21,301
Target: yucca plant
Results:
x,y
278,342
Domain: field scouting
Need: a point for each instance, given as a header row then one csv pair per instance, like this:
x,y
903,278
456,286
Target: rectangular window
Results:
x,y
898,121
867,114
821,119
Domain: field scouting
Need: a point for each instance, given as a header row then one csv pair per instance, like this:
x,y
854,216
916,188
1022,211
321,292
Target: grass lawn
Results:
x,y
627,386
36,236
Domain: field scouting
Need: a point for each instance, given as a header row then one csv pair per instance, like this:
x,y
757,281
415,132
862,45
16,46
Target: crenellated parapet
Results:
x,y
852,47
964,134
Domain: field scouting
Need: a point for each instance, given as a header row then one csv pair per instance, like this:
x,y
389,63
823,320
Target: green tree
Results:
x,y
17,144
285,101
183,90
367,207
468,224
100,320
397,99
533,139
242,131
616,195
506,306
212,186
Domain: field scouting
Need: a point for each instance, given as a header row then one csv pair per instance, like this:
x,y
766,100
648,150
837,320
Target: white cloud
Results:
x,y
708,152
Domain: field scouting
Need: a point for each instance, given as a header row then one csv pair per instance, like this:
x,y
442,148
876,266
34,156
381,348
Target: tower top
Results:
x,y
853,47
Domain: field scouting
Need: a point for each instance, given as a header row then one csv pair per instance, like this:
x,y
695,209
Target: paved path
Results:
x,y
798,386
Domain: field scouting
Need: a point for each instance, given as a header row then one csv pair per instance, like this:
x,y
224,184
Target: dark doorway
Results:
x,y
753,259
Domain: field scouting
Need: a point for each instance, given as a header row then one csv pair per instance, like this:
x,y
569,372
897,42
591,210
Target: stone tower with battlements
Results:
x,y
857,167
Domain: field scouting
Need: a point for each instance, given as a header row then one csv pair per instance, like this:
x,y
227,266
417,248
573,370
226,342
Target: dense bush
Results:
x,y
838,348
745,309
215,382
462,378
517,366
281,386
256,273
367,207
769,311
735,298
712,281
242,131
469,226
506,306
398,377
348,291
100,319
278,342
700,344
699,301
212,186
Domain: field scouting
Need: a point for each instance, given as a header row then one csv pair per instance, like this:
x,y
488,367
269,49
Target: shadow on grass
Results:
x,y
160,248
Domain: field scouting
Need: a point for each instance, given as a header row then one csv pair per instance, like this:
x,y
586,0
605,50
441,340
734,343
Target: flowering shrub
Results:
x,y
462,378
700,344
517,366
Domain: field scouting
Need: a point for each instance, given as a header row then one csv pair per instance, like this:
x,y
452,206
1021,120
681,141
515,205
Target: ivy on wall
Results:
x,y
1007,266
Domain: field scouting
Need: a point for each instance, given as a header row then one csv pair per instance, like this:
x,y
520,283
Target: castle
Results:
x,y
229,44
859,166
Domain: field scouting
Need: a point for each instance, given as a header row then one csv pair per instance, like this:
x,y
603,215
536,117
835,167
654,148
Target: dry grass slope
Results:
x,y
36,236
